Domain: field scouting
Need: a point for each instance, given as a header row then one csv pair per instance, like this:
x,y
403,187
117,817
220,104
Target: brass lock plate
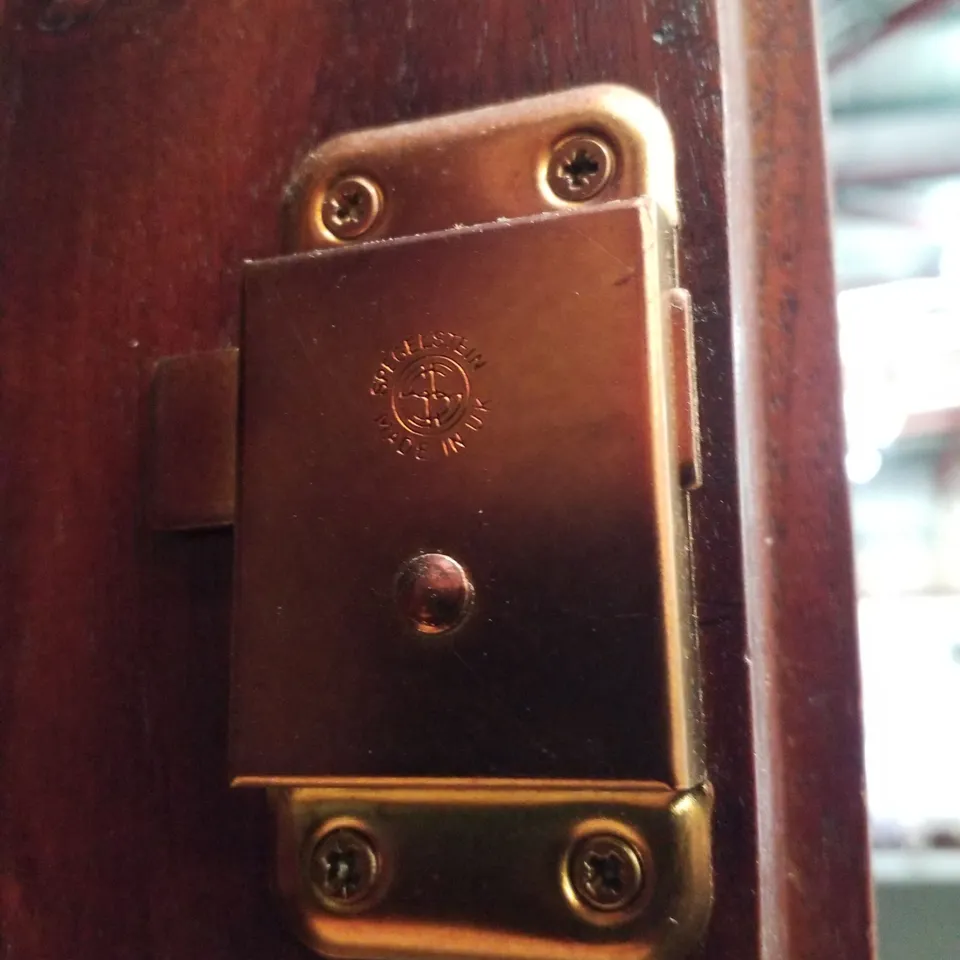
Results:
x,y
496,395
464,657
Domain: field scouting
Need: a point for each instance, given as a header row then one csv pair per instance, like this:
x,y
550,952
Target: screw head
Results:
x,y
343,867
606,872
580,166
350,207
433,592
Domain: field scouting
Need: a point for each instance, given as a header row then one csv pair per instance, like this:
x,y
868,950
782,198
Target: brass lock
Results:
x,y
464,655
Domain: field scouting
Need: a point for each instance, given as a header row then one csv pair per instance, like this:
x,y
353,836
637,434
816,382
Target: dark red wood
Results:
x,y
145,149
799,586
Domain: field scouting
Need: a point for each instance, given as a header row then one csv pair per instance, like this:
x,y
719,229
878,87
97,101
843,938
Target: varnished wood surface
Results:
x,y
144,154
799,587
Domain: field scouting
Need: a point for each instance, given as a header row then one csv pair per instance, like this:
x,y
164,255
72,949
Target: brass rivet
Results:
x,y
433,592
343,867
350,207
580,166
605,872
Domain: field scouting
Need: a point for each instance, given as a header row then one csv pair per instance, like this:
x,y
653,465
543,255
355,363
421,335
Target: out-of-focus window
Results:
x,y
894,142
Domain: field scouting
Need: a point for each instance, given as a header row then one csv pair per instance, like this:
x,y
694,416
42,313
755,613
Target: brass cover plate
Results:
x,y
554,480
477,870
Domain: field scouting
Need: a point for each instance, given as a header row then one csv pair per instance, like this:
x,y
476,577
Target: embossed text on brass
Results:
x,y
429,405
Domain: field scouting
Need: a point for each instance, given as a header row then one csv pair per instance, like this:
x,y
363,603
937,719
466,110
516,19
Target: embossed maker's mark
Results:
x,y
430,395
432,405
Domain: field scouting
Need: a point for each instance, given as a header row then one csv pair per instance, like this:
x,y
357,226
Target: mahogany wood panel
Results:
x,y
801,622
145,148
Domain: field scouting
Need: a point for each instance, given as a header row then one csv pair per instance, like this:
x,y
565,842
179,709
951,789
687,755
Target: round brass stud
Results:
x,y
433,593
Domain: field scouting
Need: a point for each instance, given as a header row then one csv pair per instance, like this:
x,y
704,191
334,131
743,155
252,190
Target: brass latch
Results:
x,y
464,656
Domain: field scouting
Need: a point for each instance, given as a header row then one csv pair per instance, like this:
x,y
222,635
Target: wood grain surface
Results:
x,y
801,624
144,149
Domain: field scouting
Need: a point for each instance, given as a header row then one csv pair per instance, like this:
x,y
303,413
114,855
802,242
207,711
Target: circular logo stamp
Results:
x,y
430,395
427,385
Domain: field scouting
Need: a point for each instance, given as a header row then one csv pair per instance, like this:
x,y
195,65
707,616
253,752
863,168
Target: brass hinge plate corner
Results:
x,y
490,164
494,869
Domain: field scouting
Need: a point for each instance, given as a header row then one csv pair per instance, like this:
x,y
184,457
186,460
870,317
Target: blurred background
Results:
x,y
893,137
